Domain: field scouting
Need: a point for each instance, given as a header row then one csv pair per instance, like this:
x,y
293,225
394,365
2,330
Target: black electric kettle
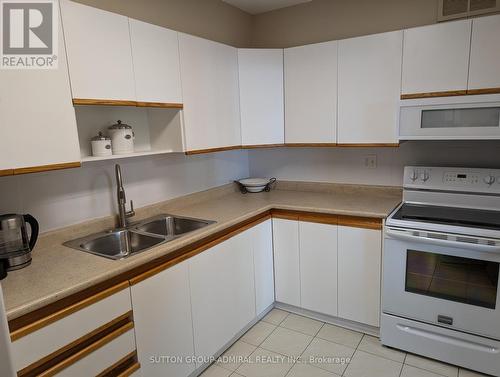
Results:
x,y
15,245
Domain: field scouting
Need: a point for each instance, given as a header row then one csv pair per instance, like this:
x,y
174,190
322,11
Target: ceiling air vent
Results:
x,y
451,9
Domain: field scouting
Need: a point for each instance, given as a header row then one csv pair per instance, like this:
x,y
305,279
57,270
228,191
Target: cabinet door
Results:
x,y
209,74
261,96
162,316
436,58
484,71
222,293
37,125
359,268
318,267
286,261
369,88
262,236
311,93
99,54
155,53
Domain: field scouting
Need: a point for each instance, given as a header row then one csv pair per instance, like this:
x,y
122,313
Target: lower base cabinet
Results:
x,y
163,325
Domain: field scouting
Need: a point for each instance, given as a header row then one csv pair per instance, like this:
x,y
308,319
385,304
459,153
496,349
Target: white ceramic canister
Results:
x,y
101,145
122,138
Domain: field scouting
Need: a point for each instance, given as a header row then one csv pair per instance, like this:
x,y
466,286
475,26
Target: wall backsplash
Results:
x,y
66,197
346,165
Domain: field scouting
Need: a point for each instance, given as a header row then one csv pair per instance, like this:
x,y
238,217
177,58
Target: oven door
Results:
x,y
450,118
447,283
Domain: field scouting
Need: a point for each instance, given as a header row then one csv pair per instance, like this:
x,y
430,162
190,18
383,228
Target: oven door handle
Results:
x,y
405,236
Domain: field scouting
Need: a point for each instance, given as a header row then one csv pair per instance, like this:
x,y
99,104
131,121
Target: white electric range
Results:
x,y
441,296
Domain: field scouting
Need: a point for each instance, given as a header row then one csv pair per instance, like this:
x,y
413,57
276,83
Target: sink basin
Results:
x,y
170,226
116,244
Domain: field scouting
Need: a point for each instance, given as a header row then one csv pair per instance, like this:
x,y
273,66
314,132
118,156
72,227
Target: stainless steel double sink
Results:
x,y
137,237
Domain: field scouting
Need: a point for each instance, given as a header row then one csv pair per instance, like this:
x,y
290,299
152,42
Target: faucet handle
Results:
x,y
131,212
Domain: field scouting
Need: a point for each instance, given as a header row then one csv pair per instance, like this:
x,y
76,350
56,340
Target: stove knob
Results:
x,y
414,175
489,180
424,176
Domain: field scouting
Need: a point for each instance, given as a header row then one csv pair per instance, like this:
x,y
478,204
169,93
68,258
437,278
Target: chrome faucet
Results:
x,y
123,214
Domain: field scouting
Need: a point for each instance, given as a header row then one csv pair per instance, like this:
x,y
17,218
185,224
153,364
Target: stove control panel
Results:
x,y
452,179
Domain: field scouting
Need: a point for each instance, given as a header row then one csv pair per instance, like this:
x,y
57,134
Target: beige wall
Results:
x,y
211,19
323,20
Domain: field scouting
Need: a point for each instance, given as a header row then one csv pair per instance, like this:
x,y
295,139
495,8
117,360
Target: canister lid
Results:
x,y
100,137
119,126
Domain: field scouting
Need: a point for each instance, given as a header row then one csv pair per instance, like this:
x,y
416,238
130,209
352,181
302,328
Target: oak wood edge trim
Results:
x,y
130,370
42,168
325,218
223,237
258,146
6,172
306,145
360,222
64,312
124,364
102,102
87,350
162,105
212,150
472,92
368,145
75,345
449,93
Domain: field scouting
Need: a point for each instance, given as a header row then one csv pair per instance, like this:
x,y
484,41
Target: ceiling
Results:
x,y
261,6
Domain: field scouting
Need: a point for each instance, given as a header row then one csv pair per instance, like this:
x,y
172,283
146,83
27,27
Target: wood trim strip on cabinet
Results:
x,y
223,237
162,105
450,93
307,145
75,347
42,317
39,169
102,102
473,92
360,222
285,214
368,145
258,146
212,150
127,364
6,172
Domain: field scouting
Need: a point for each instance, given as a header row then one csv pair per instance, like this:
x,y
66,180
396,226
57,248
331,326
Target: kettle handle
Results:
x,y
34,230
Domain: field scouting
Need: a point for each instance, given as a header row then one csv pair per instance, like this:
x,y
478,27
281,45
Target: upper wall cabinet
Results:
x,y
99,54
155,53
36,112
209,73
311,93
369,88
261,96
484,71
436,58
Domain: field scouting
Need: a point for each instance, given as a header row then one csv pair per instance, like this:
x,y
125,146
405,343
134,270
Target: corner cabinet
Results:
x,y
209,74
261,96
369,88
99,53
436,59
311,93
38,126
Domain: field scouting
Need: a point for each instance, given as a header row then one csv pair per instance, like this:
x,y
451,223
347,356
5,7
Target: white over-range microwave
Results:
x,y
450,118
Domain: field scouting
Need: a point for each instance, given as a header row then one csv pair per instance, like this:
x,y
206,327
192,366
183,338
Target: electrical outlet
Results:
x,y
371,161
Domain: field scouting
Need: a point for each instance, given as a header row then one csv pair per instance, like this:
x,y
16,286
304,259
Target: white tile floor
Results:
x,y
286,344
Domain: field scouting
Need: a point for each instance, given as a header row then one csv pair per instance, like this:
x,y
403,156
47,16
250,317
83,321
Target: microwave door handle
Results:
x,y
403,235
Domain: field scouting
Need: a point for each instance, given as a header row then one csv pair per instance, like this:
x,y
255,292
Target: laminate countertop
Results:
x,y
58,271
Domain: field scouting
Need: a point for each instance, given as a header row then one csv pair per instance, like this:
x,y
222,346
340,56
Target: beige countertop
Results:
x,y
57,271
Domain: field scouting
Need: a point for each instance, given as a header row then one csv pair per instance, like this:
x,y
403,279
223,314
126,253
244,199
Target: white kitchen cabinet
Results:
x,y
155,55
286,261
484,70
359,269
222,293
261,96
262,238
436,57
311,93
318,267
99,53
369,88
209,74
162,317
37,125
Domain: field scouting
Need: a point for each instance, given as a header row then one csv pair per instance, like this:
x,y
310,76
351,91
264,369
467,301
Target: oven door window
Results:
x,y
470,281
460,118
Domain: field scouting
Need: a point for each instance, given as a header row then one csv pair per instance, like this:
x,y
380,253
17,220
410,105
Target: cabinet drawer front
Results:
x,y
60,333
102,358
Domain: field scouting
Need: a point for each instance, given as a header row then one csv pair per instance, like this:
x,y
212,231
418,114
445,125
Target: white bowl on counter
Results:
x,y
256,184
